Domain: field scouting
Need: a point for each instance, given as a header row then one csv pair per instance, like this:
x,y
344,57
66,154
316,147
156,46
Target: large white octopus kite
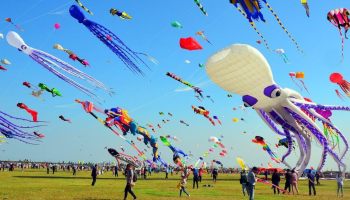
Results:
x,y
242,69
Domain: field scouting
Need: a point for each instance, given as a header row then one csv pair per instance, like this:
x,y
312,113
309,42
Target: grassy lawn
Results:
x,y
36,184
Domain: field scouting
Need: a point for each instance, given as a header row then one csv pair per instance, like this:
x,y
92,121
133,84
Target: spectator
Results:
x,y
340,183
294,181
311,178
130,181
276,178
243,181
288,177
251,182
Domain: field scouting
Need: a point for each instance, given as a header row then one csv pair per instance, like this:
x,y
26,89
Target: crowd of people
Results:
x,y
247,179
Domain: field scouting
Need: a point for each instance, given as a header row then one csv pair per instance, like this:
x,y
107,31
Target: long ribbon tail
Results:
x,y
21,119
45,63
282,26
304,85
71,70
83,7
201,7
342,45
120,49
252,24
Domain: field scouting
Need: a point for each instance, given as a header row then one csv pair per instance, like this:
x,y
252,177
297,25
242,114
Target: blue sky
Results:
x,y
150,31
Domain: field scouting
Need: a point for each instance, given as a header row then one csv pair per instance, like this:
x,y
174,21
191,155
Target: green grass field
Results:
x,y
36,184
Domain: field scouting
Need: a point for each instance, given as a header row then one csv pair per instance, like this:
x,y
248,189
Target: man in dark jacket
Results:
x,y
311,178
288,177
195,177
116,170
243,181
276,178
94,175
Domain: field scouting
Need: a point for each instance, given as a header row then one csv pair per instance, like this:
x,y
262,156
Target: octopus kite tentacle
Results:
x,y
126,55
318,134
50,62
271,124
71,70
44,63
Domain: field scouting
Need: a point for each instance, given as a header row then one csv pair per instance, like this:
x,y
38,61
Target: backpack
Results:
x,y
134,178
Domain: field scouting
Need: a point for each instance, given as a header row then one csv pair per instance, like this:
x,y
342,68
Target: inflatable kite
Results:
x,y
71,55
9,20
89,107
61,117
176,24
124,157
196,89
306,6
54,92
39,135
260,141
338,79
190,44
283,55
299,76
52,64
118,47
200,110
122,15
33,113
250,9
120,118
176,152
340,19
248,74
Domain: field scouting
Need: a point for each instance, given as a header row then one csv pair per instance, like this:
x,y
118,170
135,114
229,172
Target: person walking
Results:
x,y
294,181
243,181
275,179
183,182
130,181
251,180
94,175
311,178
195,177
340,183
288,177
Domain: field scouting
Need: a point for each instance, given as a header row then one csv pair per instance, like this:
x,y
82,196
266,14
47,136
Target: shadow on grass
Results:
x,y
111,178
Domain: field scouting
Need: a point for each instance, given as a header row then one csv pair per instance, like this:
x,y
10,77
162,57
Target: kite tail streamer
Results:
x,y
71,70
252,24
201,7
342,45
127,56
339,94
304,86
83,7
296,83
46,63
282,26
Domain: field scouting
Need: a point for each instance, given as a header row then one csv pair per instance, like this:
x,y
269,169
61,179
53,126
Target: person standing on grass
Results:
x,y
116,170
340,183
311,178
288,177
183,182
215,174
294,181
243,181
317,178
251,180
130,181
200,174
166,172
275,179
74,170
195,177
94,174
